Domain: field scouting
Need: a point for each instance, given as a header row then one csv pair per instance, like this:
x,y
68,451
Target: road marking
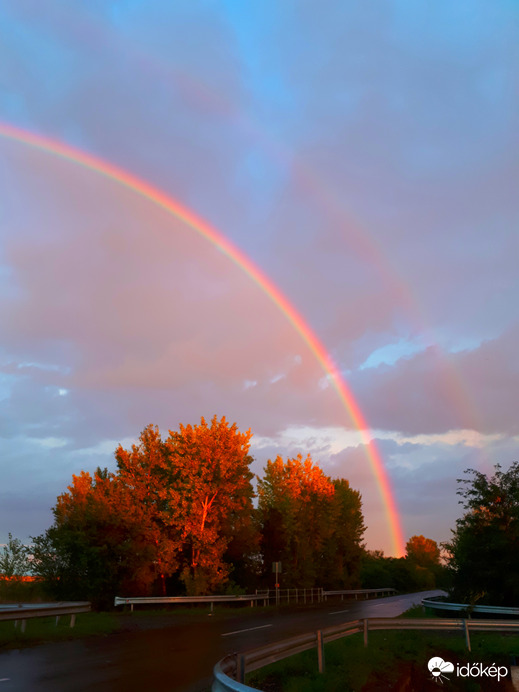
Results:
x,y
228,634
4,679
339,611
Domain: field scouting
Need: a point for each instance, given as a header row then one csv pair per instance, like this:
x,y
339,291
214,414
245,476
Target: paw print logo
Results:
x,y
437,667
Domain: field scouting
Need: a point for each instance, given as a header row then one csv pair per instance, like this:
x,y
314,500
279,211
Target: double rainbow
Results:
x,y
170,205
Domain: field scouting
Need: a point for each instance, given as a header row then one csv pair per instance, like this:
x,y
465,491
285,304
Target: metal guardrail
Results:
x,y
146,600
359,592
25,612
434,604
288,595
229,673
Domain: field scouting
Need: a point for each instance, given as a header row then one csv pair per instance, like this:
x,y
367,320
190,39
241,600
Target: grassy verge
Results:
x,y
39,630
392,661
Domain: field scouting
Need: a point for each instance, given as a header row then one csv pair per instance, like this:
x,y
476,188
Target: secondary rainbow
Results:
x,y
198,224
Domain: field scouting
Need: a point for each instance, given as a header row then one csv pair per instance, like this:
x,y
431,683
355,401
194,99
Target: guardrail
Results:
x,y
288,595
25,612
359,592
145,600
229,672
467,608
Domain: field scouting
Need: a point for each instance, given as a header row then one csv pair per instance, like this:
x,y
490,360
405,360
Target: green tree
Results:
x,y
313,525
293,504
14,559
97,546
343,545
379,571
484,550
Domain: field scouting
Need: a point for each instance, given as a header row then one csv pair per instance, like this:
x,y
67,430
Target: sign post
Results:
x,y
276,567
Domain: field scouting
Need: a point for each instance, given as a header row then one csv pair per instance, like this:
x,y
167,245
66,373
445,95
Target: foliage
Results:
x,y
423,557
484,550
213,497
313,525
423,551
175,512
14,559
97,544
177,516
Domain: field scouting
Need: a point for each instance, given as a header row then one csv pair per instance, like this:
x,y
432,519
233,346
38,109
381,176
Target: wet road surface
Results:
x,y
173,653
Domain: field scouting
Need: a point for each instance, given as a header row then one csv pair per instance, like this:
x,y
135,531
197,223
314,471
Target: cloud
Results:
x,y
364,157
433,392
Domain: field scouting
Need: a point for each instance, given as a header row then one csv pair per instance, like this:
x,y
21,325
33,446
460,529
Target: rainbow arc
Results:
x,y
186,215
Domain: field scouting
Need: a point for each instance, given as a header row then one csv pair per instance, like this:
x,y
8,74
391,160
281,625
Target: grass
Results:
x,y
391,661
44,629
41,630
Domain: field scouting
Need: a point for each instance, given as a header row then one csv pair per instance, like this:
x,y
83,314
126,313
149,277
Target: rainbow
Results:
x,y
170,205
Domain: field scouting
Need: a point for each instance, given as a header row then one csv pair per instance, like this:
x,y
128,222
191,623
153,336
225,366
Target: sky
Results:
x,y
364,157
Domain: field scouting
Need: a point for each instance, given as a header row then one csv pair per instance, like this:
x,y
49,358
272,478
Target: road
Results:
x,y
173,653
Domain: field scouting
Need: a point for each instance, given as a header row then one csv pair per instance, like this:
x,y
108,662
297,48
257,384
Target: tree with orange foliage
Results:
x,y
422,551
309,523
150,489
213,497
97,545
423,559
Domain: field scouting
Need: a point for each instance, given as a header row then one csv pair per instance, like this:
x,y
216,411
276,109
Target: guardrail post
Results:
x,y
73,619
320,651
57,620
240,668
366,632
467,636
24,622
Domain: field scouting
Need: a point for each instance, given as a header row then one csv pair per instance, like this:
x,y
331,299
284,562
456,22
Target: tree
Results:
x,y
313,525
423,558
422,551
484,550
14,560
343,546
178,510
213,496
97,545
150,494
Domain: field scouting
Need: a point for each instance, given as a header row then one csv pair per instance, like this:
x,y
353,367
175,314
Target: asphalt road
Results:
x,y
173,653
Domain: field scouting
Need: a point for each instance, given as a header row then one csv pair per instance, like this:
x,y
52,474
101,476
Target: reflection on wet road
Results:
x,y
178,655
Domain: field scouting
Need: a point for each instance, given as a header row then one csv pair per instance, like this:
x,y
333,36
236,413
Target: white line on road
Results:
x,y
4,679
228,634
339,611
